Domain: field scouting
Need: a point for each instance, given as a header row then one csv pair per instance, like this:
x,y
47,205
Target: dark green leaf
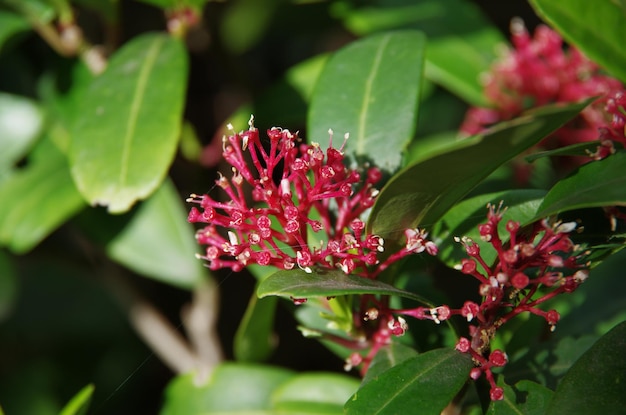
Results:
x,y
597,28
37,199
580,149
370,89
158,242
326,283
231,389
388,357
422,385
254,340
79,404
527,398
126,137
421,193
21,121
464,218
314,393
596,384
598,183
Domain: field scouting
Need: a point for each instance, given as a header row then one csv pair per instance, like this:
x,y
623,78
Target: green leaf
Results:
x,y
231,389
457,31
37,199
422,192
527,398
463,220
79,404
298,283
254,340
8,286
370,89
598,183
21,121
597,28
126,137
158,242
580,149
314,393
10,25
422,385
596,384
388,357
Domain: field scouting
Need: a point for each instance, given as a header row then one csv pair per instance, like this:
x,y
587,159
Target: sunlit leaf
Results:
x,y
457,31
599,183
314,393
424,384
596,383
21,121
597,28
422,192
230,389
158,242
370,89
126,137
79,404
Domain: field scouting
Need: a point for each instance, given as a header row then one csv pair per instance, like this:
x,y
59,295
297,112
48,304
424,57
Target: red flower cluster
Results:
x,y
538,71
299,194
531,268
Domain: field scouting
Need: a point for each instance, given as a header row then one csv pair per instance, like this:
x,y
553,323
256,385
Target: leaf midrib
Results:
x,y
360,144
135,108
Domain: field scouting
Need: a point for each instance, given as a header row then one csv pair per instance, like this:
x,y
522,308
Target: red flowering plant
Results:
x,y
435,279
340,237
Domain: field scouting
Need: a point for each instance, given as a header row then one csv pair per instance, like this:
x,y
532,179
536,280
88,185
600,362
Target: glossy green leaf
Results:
x,y
314,393
254,340
596,384
457,31
158,242
599,183
127,134
10,25
424,384
235,389
21,121
597,28
37,199
463,220
526,397
8,286
388,357
297,284
79,404
580,149
370,89
422,192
